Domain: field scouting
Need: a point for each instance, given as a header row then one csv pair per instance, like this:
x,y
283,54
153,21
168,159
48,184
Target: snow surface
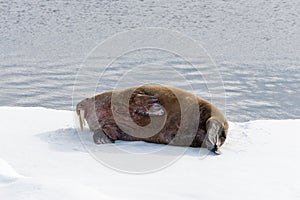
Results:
x,y
41,157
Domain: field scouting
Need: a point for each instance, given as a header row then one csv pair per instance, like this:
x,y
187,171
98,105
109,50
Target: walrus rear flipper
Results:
x,y
214,132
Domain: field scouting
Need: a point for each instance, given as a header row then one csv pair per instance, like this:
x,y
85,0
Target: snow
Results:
x,y
41,157
7,173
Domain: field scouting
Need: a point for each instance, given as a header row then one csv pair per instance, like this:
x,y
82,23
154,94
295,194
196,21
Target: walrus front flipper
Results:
x,y
155,110
215,131
100,137
151,102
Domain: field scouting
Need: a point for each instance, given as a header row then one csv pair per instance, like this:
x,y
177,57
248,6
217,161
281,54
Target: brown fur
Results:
x,y
99,116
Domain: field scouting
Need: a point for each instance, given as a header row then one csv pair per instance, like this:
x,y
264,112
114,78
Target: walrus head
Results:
x,y
216,135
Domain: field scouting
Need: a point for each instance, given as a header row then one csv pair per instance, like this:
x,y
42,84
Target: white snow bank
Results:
x,y
259,161
7,173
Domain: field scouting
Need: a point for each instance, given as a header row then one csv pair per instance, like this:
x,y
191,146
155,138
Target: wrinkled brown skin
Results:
x,y
99,117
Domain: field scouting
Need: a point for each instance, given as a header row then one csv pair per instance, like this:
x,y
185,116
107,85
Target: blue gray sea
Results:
x,y
254,45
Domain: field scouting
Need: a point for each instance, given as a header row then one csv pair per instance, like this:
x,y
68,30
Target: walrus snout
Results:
x,y
81,105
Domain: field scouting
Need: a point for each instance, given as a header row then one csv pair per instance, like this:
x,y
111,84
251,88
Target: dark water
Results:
x,y
254,44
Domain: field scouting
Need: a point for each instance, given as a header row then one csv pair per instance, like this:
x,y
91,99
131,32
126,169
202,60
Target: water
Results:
x,y
255,45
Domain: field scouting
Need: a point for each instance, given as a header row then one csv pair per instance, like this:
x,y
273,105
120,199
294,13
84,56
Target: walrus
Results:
x,y
156,114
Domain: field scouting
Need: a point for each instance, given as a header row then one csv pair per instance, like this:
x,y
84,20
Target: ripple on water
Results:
x,y
44,43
